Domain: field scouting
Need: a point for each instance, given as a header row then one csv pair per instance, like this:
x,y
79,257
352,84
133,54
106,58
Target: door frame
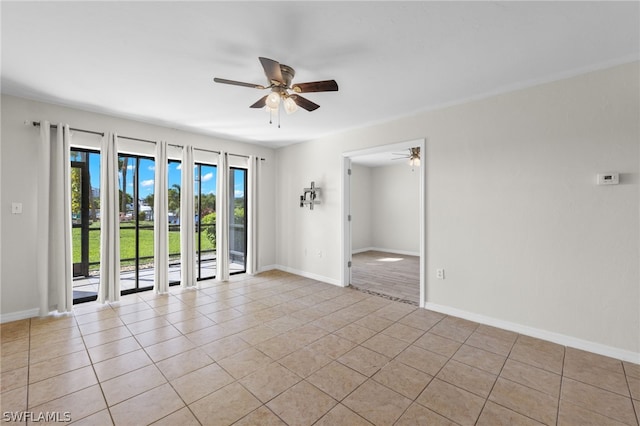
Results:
x,y
346,247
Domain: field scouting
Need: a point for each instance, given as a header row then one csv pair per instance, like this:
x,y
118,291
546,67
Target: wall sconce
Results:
x,y
313,193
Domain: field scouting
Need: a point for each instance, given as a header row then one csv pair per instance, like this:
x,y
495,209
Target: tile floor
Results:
x,y
280,349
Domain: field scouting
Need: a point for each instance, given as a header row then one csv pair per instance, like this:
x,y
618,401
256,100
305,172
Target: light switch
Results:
x,y
16,208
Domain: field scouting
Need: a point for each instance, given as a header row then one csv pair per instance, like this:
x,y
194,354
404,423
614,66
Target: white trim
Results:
x,y
562,339
346,200
385,148
386,250
20,315
309,275
345,223
267,268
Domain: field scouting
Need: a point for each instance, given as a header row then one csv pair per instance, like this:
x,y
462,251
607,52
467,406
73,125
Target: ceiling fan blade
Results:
x,y
260,103
238,83
272,70
305,103
316,86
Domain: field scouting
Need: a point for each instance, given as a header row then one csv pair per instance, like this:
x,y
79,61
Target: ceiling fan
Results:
x,y
279,78
413,156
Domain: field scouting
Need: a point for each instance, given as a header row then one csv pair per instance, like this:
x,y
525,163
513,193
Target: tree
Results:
x,y
207,204
238,215
76,192
174,198
124,165
208,225
148,200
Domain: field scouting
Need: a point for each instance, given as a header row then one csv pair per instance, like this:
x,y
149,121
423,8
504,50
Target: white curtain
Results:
x,y
187,221
254,172
54,259
161,220
222,218
109,288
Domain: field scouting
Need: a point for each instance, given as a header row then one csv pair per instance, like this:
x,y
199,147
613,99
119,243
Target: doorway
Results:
x,y
402,246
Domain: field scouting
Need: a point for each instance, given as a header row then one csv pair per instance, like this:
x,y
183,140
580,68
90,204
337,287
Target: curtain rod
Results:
x,y
55,126
136,139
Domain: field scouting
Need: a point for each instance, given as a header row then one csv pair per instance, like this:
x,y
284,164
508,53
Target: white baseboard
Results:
x,y
361,250
386,250
309,275
550,336
15,316
267,268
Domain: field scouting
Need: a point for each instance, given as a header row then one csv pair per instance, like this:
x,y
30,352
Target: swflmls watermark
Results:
x,y
32,416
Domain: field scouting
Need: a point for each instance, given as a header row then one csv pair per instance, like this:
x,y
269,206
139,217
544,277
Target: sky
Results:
x,y
147,176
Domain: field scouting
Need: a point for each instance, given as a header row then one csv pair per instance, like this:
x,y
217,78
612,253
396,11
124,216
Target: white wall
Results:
x,y
513,214
385,206
396,209
361,208
19,160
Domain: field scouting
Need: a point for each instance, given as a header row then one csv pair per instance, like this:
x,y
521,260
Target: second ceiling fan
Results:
x,y
279,78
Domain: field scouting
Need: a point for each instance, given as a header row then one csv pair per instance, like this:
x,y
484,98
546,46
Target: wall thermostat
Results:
x,y
608,178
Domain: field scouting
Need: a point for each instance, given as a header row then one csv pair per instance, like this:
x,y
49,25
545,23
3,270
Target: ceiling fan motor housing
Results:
x,y
287,75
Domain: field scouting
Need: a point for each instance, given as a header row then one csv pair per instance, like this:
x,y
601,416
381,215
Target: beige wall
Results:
x,y
513,213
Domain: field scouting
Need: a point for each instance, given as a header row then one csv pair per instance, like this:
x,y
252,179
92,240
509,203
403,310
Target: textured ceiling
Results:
x,y
155,61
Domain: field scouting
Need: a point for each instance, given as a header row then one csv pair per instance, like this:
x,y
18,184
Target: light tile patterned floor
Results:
x,y
280,349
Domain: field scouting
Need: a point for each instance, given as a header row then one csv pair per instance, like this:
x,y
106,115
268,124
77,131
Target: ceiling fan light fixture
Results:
x,y
270,110
290,105
414,157
273,100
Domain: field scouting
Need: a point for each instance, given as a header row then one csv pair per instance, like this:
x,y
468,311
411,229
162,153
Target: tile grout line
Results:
x,y
564,357
495,381
633,406
415,400
104,397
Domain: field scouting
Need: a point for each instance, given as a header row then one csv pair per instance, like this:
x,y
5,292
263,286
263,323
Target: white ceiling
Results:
x,y
155,61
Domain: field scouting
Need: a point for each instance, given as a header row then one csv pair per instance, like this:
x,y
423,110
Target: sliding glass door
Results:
x,y
85,220
237,220
174,170
205,207
137,189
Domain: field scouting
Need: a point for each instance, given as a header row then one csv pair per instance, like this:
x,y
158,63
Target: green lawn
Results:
x,y
127,243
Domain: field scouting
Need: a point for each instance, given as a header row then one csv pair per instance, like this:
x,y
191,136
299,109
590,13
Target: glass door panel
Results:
x,y
136,182
174,181
237,220
85,219
205,208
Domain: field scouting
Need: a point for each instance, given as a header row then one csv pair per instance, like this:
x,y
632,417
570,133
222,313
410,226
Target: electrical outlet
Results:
x,y
440,274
